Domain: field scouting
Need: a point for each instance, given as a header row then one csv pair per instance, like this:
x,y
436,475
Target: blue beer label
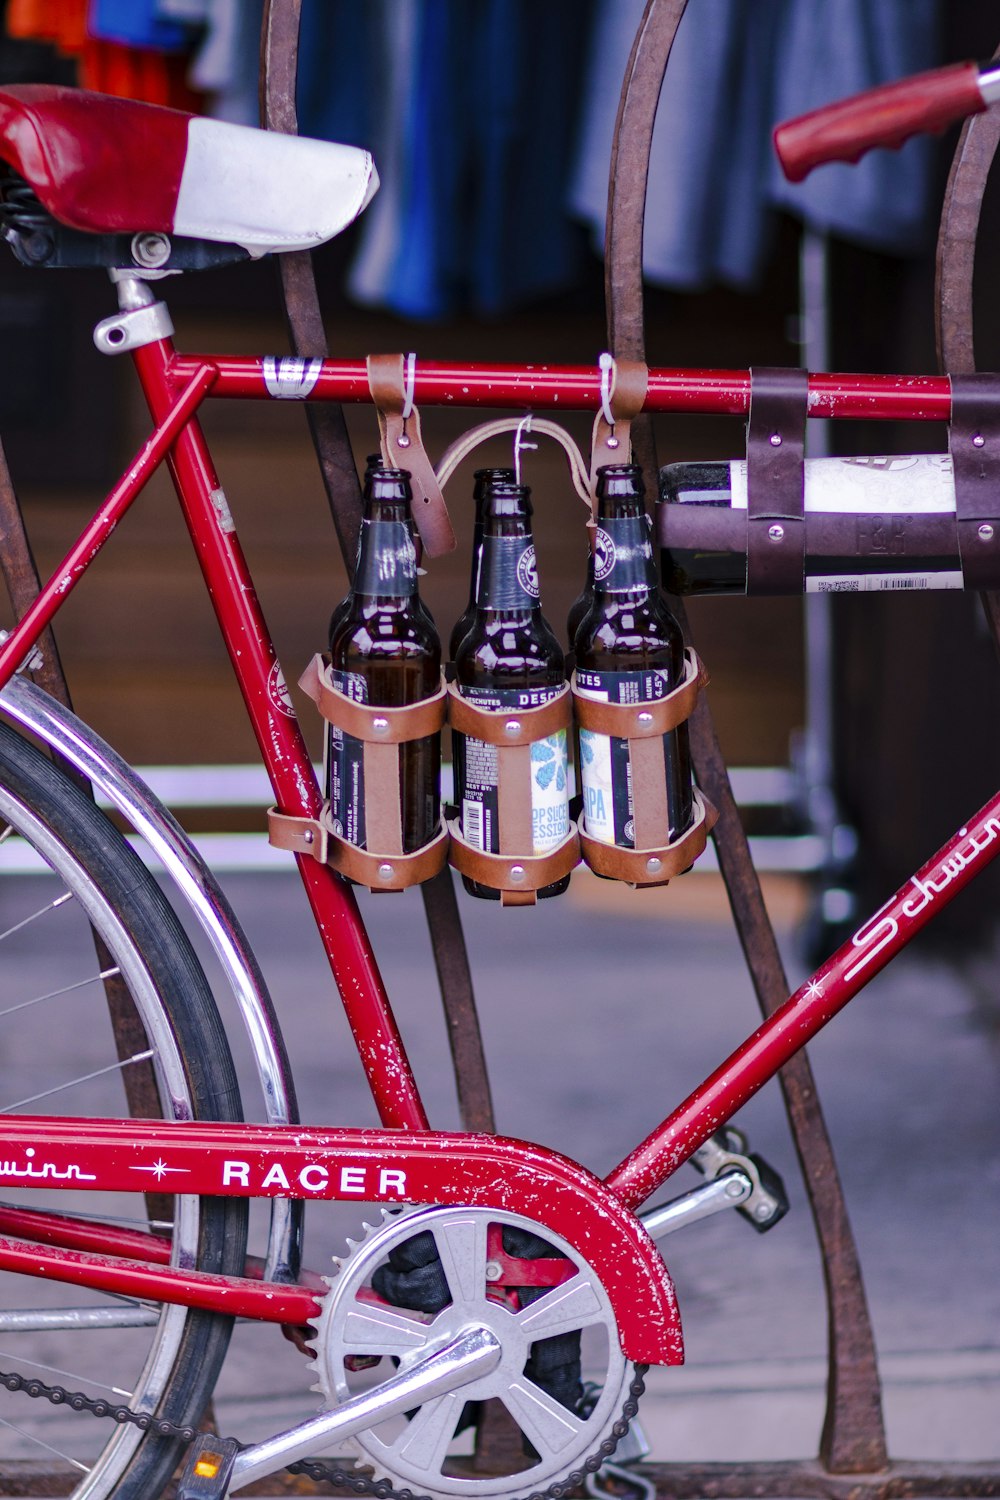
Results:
x,y
387,560
605,764
508,574
623,555
478,794
346,766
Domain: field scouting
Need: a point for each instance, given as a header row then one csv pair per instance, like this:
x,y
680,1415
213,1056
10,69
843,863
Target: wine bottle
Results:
x,y
629,649
384,651
509,658
881,524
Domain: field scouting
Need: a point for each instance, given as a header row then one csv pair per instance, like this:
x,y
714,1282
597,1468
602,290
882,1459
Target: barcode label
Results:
x,y
883,583
472,824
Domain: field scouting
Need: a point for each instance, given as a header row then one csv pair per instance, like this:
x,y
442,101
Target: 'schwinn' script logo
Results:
x,y
881,929
43,1169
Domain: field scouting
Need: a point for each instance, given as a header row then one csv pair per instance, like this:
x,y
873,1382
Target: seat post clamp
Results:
x,y
133,329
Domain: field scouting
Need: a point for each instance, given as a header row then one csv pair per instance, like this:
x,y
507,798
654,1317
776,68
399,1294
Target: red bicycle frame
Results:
x,y
405,1159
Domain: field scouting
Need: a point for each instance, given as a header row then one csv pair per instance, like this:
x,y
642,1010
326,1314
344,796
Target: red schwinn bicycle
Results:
x,y
527,1247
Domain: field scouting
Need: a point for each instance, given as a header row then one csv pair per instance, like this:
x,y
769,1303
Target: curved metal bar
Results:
x,y
76,743
853,1438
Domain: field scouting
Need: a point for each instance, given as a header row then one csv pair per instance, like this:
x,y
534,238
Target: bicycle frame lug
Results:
x,y
725,1153
727,1191
133,329
473,1354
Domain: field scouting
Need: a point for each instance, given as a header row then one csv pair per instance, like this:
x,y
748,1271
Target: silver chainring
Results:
x,y
357,1327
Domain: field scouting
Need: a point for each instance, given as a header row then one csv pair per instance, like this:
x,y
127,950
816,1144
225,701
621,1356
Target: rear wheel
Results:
x,y
84,932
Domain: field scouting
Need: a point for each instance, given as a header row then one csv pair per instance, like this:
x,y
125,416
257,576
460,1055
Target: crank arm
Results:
x,y
728,1191
473,1354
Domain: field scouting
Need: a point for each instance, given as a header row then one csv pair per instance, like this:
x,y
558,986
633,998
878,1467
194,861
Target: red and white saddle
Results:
x,y
116,166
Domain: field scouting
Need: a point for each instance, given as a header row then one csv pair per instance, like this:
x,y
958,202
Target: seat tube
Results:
x,y
282,747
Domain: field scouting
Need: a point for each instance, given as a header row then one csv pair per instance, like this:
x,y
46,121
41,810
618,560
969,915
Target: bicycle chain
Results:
x,y
317,1469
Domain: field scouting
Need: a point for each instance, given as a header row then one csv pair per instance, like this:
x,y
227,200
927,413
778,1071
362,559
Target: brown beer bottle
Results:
x,y
481,479
509,658
384,650
629,649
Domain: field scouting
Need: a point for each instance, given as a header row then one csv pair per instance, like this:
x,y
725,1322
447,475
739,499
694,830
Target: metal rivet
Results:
x,y
654,866
734,1188
308,836
986,532
512,726
611,442
645,719
385,872
380,725
978,441
763,1211
494,1270
402,441
775,439
776,533
517,874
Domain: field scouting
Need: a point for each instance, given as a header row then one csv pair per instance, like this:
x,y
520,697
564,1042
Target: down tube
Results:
x,y
796,1022
251,651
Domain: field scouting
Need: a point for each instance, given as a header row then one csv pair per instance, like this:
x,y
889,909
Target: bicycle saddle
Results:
x,y
116,166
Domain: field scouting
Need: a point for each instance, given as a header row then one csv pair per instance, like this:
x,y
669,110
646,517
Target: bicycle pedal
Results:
x,y
726,1151
208,1468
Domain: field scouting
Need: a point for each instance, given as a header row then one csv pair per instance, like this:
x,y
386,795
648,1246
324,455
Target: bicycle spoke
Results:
x,y
37,1364
42,911
66,989
83,1078
40,1443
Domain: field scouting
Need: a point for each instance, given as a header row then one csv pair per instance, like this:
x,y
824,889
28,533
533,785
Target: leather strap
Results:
x,y
611,443
485,431
518,877
379,872
776,532
649,867
516,726
372,723
403,448
640,721
974,439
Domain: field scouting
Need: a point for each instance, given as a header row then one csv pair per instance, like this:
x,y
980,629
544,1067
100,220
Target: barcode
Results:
x,y
904,583
472,823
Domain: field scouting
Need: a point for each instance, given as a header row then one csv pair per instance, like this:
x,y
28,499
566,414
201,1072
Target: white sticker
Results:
x,y
905,484
290,378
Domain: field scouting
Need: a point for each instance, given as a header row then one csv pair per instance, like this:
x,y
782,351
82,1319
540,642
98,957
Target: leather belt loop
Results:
x,y
403,448
776,530
624,382
974,440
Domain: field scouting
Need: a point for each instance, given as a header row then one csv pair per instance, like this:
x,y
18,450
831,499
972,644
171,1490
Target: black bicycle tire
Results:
x,y
131,894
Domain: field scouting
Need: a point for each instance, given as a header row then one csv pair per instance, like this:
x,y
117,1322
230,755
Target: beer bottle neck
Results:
x,y
623,551
387,558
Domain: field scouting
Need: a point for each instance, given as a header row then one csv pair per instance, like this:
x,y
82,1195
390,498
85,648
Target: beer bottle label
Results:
x,y
508,574
387,560
478,764
605,764
346,767
623,555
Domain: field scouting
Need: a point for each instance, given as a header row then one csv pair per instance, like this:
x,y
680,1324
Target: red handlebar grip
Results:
x,y
886,116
